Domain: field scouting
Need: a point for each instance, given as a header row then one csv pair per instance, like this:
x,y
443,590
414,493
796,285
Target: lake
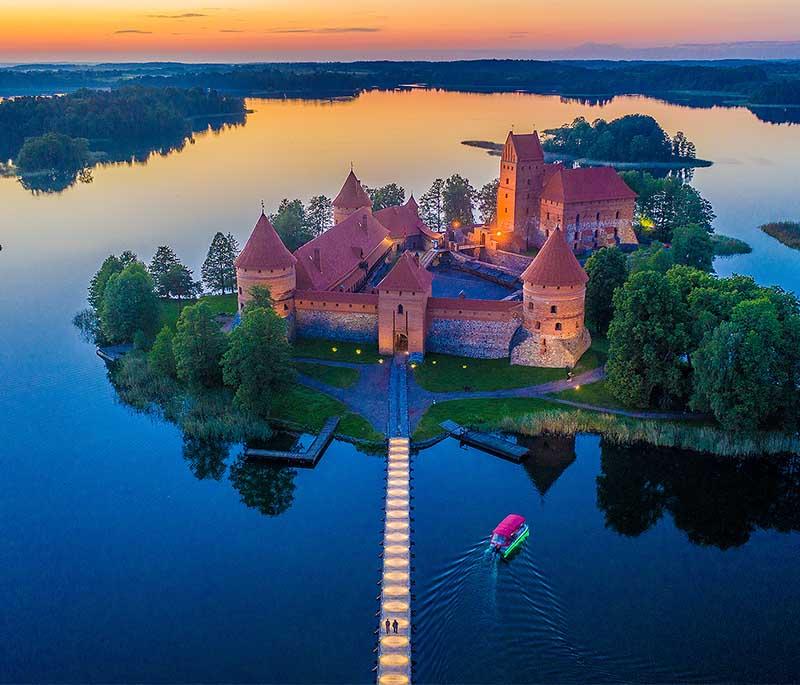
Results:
x,y
120,564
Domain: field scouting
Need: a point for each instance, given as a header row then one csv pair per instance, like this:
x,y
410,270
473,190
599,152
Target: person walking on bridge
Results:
x,y
394,626
388,626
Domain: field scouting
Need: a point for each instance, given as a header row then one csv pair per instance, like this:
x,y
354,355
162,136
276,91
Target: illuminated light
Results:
x,y
395,605
397,481
396,549
396,562
396,576
380,361
393,679
395,590
413,366
393,660
402,623
433,362
397,492
463,366
499,233
334,349
577,387
394,641
393,503
396,525
397,514
396,537
358,351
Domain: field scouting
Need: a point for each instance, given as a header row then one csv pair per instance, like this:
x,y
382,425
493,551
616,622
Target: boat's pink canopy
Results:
x,y
509,524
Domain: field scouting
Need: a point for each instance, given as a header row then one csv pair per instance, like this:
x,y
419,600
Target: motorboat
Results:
x,y
509,534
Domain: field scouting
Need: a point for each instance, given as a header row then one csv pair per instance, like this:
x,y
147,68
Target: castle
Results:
x,y
337,285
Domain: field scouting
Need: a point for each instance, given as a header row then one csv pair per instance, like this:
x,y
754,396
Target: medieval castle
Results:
x,y
334,286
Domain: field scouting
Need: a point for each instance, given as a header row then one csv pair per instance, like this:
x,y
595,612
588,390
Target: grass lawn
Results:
x,y
220,304
331,350
597,394
310,408
444,373
336,376
595,356
488,413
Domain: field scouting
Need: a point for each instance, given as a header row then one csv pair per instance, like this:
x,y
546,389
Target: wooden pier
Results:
x,y
487,442
306,459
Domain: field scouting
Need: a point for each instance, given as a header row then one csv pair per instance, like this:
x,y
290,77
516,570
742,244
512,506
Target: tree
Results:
x,y
260,297
178,282
655,257
218,270
163,260
291,224
129,304
692,246
487,201
258,363
162,356
431,205
319,215
648,342
198,346
390,195
265,487
607,269
111,265
53,151
458,198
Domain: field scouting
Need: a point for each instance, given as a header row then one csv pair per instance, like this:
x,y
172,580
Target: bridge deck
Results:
x,y
493,444
308,458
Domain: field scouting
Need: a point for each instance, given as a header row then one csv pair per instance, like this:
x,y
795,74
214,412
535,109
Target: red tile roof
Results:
x,y
264,249
341,248
527,146
404,220
407,274
587,184
555,265
352,195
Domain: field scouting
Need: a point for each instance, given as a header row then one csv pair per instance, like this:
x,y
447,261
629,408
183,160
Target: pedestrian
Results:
x,y
394,626
388,625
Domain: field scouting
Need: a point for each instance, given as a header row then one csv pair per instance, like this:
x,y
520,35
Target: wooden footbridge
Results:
x,y
307,458
394,646
494,444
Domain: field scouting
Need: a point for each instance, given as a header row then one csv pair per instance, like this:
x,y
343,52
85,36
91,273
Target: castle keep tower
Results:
x,y
521,180
351,198
266,261
554,293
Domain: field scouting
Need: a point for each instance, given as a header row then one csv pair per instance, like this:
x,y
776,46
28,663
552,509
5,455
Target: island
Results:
x,y
787,232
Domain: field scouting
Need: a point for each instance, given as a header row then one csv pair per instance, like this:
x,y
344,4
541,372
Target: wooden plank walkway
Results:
x,y
394,646
307,459
487,442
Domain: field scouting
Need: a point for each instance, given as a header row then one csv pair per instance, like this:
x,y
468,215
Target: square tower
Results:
x,y
520,189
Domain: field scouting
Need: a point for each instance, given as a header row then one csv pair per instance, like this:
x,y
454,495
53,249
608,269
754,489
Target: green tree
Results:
x,y
291,224
608,270
163,260
487,201
162,356
129,304
53,151
431,205
178,282
739,371
458,198
319,215
260,297
648,342
390,195
258,363
265,487
198,346
111,265
692,246
654,257
218,270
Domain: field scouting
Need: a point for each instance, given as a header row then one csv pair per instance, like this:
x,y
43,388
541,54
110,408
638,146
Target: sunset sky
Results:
x,y
254,30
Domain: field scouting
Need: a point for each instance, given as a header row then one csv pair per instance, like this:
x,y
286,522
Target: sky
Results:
x,y
287,30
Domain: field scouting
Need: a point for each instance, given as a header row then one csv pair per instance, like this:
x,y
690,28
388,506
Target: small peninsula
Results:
x,y
787,232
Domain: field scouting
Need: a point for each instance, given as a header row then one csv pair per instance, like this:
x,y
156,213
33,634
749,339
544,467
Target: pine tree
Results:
x,y
458,198
319,215
164,259
218,270
431,205
487,201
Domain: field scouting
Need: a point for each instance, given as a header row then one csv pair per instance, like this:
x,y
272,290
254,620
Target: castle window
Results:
x,y
617,215
553,309
597,216
558,326
506,183
577,221
240,290
399,308
530,306
548,216
538,325
285,307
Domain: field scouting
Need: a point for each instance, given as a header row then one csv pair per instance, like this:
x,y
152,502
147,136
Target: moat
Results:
x,y
125,561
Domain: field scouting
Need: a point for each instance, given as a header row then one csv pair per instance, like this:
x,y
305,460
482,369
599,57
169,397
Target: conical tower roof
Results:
x,y
412,203
555,265
407,274
264,249
352,194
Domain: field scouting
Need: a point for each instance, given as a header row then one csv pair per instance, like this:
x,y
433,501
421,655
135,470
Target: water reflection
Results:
x,y
716,502
206,456
265,487
550,457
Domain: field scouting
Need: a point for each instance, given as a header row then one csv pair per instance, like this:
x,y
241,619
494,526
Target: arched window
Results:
x,y
538,325
553,309
597,216
577,221
617,215
558,326
399,308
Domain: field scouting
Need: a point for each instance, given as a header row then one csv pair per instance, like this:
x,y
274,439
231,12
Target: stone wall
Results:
x,y
471,338
531,349
508,260
344,326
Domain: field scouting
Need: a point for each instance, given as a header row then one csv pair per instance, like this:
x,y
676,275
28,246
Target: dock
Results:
x,y
493,444
305,459
394,645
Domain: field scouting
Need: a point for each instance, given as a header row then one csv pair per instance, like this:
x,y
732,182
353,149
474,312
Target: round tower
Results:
x,y
554,296
351,198
265,261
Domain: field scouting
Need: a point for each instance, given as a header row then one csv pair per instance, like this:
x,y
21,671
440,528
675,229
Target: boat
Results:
x,y
509,534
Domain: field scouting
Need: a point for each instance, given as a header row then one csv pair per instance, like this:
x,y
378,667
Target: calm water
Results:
x,y
118,563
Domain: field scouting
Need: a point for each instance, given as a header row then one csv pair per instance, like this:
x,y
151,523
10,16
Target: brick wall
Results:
x,y
480,339
508,260
335,325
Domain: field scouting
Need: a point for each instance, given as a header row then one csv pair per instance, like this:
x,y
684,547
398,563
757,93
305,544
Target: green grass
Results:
x,y
597,394
787,232
309,409
337,376
220,304
331,350
445,373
